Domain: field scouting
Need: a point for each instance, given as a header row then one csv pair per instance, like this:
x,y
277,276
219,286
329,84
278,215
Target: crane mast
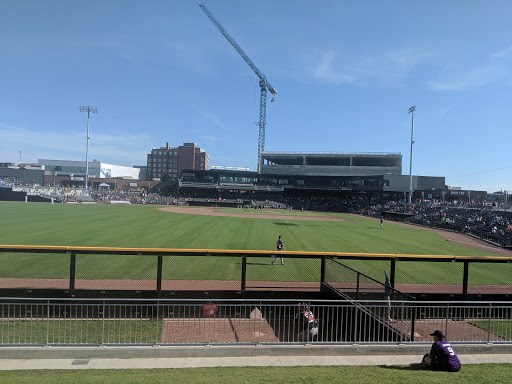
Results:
x,y
263,83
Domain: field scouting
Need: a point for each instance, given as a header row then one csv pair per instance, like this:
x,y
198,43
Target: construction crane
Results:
x,y
263,83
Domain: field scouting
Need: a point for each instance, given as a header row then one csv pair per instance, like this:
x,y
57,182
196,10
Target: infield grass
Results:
x,y
397,374
143,226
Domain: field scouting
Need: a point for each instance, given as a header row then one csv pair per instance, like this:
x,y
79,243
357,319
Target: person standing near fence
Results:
x,y
442,355
279,247
308,324
381,222
388,291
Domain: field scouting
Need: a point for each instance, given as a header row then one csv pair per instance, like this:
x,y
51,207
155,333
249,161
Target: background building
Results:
x,y
330,164
97,169
11,173
171,161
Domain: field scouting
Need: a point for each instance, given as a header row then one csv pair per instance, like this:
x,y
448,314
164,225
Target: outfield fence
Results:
x,y
88,271
54,322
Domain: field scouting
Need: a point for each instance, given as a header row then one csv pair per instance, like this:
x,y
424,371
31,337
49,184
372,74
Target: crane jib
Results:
x,y
264,84
239,49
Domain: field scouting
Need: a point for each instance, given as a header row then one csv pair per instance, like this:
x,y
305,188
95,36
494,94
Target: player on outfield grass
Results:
x,y
279,247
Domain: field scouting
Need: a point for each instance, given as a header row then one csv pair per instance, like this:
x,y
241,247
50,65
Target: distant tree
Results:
x,y
166,177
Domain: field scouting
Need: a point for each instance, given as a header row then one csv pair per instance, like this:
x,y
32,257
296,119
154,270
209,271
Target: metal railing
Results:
x,y
33,322
355,285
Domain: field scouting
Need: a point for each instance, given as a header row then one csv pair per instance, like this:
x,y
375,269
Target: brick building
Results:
x,y
169,160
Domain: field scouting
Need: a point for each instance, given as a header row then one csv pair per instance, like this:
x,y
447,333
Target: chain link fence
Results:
x,y
156,272
280,271
34,269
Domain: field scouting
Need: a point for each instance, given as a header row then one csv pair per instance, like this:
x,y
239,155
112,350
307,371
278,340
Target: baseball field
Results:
x,y
145,226
158,227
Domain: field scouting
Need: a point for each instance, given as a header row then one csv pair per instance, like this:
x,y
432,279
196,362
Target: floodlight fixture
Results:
x,y
89,109
411,110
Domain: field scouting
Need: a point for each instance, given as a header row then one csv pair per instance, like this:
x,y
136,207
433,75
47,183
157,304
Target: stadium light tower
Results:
x,y
89,110
411,110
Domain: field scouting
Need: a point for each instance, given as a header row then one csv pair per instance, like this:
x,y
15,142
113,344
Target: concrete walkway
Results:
x,y
190,362
193,357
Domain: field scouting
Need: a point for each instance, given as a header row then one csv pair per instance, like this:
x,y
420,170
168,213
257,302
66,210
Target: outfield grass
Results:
x,y
147,227
476,374
502,328
143,226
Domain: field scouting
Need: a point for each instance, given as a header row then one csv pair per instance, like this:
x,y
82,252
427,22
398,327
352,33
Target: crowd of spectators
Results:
x,y
133,197
489,221
56,194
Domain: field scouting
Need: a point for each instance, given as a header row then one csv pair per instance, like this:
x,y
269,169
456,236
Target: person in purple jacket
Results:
x,y
442,356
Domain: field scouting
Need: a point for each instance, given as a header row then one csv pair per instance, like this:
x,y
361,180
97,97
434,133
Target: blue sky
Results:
x,y
346,72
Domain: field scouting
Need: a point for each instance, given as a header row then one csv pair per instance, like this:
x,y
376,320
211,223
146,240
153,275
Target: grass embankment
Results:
x,y
476,374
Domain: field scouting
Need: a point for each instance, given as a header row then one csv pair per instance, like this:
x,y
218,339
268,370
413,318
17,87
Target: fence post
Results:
x,y
244,272
357,287
489,325
157,320
392,271
48,322
159,274
465,278
103,325
413,322
322,270
448,309
72,272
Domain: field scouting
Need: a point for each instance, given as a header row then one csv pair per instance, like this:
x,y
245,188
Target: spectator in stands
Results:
x,y
388,291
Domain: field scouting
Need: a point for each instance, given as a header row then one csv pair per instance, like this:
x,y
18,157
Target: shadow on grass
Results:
x,y
267,264
287,224
413,367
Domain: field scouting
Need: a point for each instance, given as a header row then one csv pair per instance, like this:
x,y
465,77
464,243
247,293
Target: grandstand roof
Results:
x,y
331,164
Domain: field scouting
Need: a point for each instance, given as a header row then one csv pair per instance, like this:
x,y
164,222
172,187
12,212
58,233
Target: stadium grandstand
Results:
x,y
330,164
369,184
299,180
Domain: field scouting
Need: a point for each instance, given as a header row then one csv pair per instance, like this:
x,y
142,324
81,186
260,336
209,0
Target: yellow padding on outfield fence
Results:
x,y
224,252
